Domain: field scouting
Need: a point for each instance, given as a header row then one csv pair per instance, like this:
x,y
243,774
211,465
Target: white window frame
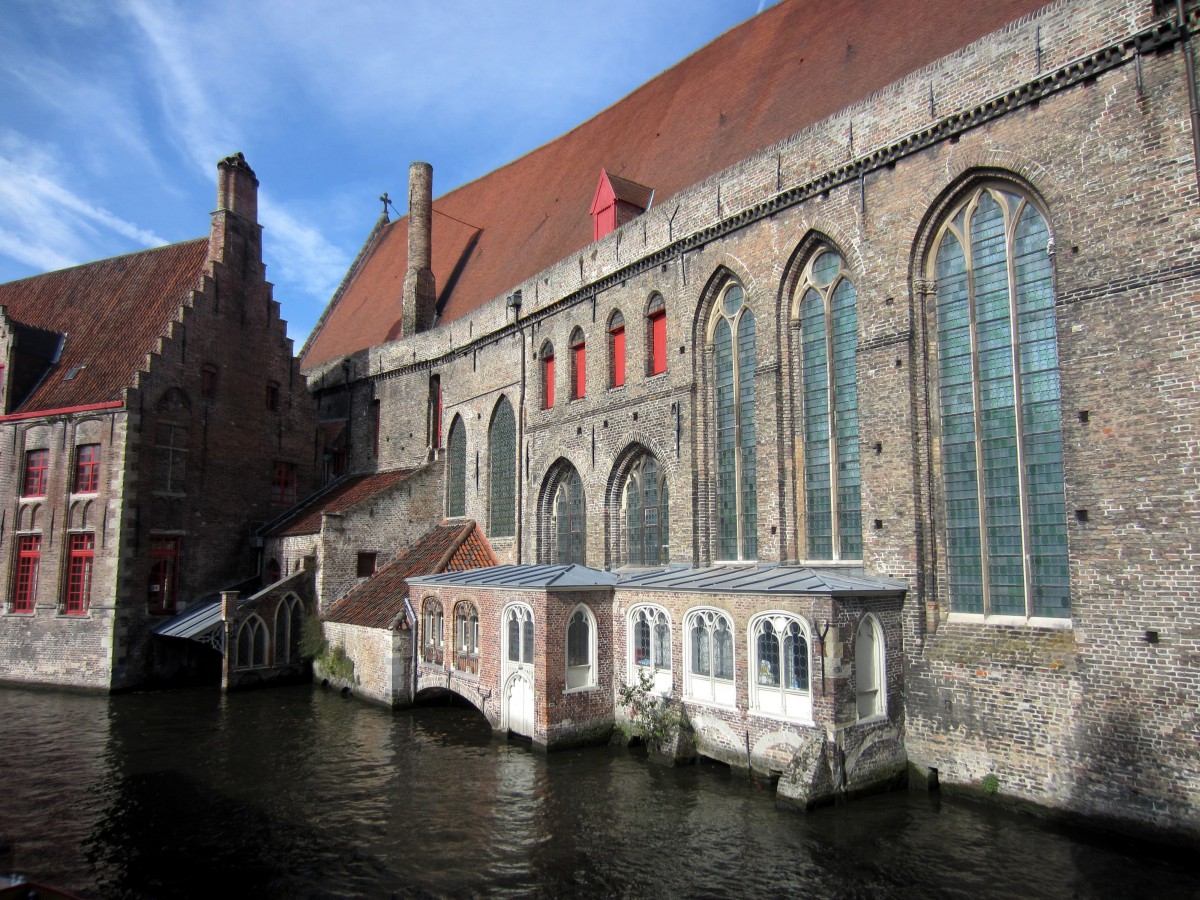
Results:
x,y
709,688
580,677
657,668
876,692
792,704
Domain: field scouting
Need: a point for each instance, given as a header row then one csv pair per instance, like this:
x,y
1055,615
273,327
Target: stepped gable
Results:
x,y
112,312
379,601
793,65
341,496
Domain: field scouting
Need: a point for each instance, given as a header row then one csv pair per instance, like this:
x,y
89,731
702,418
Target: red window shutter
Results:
x,y
548,378
618,344
580,352
658,343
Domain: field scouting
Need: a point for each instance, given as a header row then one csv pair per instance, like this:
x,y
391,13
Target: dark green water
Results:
x,y
299,793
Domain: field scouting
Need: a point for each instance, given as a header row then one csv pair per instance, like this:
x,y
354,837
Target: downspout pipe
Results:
x,y
1189,64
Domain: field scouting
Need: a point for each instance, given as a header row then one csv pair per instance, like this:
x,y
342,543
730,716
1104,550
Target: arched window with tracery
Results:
x,y
456,469
710,657
433,645
252,644
733,392
518,635
581,649
466,637
502,471
568,513
289,627
828,316
779,668
870,669
644,514
650,646
1001,422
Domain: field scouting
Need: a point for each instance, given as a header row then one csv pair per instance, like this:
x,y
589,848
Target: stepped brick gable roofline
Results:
x,y
716,108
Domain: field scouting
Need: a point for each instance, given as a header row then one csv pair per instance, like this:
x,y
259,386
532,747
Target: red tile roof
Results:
x,y
794,64
378,601
339,497
112,311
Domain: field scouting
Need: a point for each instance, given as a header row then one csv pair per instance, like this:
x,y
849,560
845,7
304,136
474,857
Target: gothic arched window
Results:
x,y
616,349
710,657
569,520
870,668
829,349
581,649
1001,437
733,380
502,471
779,669
456,469
645,500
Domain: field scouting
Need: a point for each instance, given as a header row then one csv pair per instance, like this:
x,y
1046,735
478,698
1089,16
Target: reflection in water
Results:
x,y
300,793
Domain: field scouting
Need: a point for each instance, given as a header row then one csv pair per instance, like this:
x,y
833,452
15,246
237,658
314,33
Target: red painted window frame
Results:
x,y
164,574
548,381
37,470
579,369
87,469
618,356
658,341
25,572
283,483
81,553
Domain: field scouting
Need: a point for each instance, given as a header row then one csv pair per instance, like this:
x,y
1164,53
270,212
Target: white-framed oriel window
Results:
x,y
780,666
650,646
710,668
870,669
581,649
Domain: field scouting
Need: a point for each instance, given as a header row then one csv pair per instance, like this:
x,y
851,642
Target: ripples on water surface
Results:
x,y
300,793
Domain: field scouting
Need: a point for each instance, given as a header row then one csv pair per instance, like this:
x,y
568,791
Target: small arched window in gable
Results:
x,y
578,347
616,350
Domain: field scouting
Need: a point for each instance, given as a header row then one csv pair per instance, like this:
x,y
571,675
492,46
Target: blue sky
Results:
x,y
113,115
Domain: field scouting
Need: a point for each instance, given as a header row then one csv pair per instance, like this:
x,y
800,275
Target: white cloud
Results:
x,y
43,222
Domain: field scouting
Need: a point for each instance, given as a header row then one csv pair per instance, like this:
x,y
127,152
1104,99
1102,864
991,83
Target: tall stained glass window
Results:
x,y
1001,437
829,348
502,471
569,520
646,503
733,377
456,475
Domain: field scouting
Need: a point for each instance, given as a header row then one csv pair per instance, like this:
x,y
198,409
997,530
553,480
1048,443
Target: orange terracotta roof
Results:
x,y
338,498
378,601
112,311
789,67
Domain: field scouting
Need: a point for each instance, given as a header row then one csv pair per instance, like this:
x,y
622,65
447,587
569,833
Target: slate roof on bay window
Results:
x,y
792,65
556,577
379,601
344,494
112,313
844,581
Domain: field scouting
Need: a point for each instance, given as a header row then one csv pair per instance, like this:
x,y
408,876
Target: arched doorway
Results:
x,y
518,705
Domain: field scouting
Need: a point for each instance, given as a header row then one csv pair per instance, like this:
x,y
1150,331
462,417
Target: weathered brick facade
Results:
x,y
1082,109
208,432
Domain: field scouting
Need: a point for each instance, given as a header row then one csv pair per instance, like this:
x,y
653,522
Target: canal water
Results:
x,y
299,792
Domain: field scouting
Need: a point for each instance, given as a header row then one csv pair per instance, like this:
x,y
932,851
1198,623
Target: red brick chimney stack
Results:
x,y
237,187
419,292
236,237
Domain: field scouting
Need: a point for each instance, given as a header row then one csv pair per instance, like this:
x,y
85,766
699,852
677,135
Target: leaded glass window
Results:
x,y
651,638
829,348
1001,438
519,627
780,667
733,379
466,637
456,476
710,657
646,526
569,520
502,470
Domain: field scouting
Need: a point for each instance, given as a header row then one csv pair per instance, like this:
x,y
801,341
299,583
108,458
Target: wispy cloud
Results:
x,y
44,223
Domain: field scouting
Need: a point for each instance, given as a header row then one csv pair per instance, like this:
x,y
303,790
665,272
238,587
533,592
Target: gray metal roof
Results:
x,y
529,577
192,622
844,581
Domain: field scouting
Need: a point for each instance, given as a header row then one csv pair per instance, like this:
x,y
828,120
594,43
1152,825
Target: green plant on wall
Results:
x,y
334,661
657,720
991,784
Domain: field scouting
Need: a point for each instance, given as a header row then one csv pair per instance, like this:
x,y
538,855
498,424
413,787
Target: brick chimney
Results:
x,y
419,292
235,229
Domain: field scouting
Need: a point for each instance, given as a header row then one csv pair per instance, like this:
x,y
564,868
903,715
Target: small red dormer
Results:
x,y
617,200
